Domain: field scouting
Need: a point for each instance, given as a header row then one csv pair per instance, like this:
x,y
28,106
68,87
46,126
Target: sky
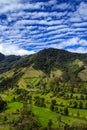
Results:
x,y
28,26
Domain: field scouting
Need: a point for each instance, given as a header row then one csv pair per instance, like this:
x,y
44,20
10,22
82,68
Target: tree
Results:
x,y
3,104
66,112
56,109
81,97
71,95
85,97
78,114
39,101
53,103
79,126
52,107
50,124
42,102
86,105
59,120
80,105
74,104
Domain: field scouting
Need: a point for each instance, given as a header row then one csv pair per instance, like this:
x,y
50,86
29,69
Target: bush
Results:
x,y
66,112
80,105
3,104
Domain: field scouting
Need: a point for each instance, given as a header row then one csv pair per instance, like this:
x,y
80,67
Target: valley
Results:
x,y
44,91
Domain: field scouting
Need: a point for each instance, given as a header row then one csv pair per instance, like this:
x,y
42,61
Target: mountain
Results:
x,y
7,62
27,70
1,57
48,59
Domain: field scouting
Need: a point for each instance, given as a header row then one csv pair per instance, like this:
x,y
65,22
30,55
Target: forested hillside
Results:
x,y
43,91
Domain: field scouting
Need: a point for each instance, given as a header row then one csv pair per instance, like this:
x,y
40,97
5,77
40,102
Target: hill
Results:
x,y
46,90
46,62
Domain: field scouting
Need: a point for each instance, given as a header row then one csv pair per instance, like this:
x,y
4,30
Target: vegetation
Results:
x,y
44,91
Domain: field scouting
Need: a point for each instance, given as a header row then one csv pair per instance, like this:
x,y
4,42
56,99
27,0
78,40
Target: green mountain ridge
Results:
x,y
47,62
48,59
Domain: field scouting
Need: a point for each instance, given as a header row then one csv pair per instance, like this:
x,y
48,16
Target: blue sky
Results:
x,y
27,26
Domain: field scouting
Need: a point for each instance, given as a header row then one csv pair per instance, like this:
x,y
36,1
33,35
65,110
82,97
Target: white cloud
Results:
x,y
37,22
52,2
71,43
62,6
10,49
7,1
79,16
82,24
83,10
78,50
14,5
57,27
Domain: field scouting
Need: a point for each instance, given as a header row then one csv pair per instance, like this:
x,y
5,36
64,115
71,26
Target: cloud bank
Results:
x,y
14,50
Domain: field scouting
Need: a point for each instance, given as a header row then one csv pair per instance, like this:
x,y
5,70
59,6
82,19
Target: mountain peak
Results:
x,y
2,56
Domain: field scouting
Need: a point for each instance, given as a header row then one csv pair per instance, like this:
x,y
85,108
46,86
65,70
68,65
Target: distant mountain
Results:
x,y
46,62
8,62
48,59
2,57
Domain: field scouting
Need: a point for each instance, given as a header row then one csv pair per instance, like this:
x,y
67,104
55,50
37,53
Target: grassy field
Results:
x,y
44,114
30,82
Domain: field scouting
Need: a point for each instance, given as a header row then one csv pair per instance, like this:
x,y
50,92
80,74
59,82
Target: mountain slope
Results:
x,y
45,60
7,62
48,59
29,70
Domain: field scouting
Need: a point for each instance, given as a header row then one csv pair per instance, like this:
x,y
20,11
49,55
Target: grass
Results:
x,y
11,115
4,127
30,77
44,114
57,73
12,107
82,112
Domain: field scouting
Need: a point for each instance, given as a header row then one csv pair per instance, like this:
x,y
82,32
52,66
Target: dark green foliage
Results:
x,y
50,124
85,97
52,106
71,95
8,62
56,109
39,101
79,126
66,112
86,105
80,105
10,82
82,97
27,120
3,104
74,104
53,101
50,58
23,95
78,114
